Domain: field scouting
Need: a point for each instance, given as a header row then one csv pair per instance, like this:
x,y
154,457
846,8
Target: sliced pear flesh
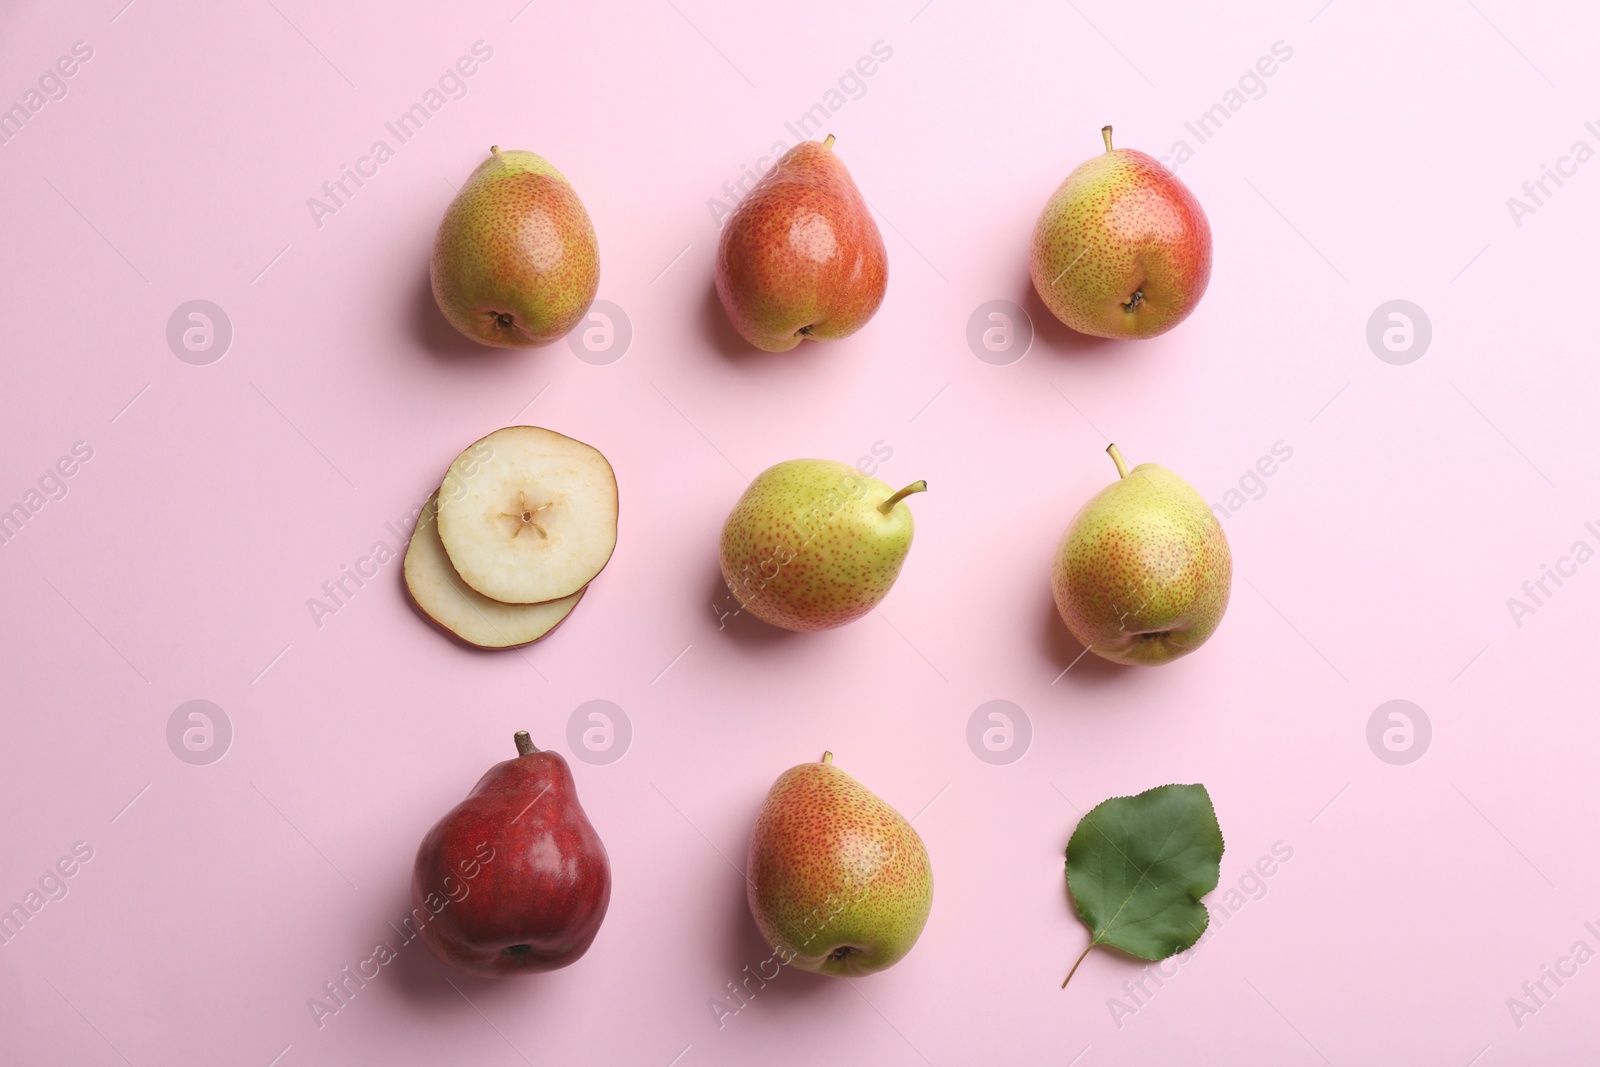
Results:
x,y
438,590
528,515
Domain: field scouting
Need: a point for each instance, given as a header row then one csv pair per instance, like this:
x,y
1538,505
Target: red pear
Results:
x,y
801,257
514,877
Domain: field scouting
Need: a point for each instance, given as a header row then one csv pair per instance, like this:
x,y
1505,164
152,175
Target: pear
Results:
x,y
1143,573
813,543
528,515
457,608
801,256
839,882
515,263
1122,248
514,879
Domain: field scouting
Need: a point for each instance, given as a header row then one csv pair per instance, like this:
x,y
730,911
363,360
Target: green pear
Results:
x,y
1122,247
839,882
1143,573
813,543
515,263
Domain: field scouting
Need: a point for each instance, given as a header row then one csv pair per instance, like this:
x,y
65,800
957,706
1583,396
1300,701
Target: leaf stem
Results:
x,y
1074,970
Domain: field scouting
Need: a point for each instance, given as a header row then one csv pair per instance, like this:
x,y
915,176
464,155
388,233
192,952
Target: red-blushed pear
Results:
x,y
515,262
1143,572
514,878
801,256
1122,248
839,883
814,543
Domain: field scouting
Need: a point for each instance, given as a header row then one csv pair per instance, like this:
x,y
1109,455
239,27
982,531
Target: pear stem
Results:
x,y
1105,132
1116,457
1074,970
918,486
827,757
524,743
827,142
494,150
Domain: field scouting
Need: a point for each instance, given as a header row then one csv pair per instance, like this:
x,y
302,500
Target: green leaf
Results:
x,y
1138,866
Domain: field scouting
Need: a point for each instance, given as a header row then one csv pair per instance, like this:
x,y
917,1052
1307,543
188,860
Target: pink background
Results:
x,y
1376,566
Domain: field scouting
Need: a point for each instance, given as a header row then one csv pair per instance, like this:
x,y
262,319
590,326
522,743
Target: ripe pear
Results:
x,y
1143,573
839,882
514,879
515,263
801,256
813,543
1122,248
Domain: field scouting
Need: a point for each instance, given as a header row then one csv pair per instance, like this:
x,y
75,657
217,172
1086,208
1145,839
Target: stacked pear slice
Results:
x,y
504,550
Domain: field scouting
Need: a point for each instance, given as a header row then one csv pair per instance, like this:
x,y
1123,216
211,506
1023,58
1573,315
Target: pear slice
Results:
x,y
438,590
528,515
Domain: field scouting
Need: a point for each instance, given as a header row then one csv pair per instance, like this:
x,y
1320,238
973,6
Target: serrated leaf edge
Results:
x,y
1097,939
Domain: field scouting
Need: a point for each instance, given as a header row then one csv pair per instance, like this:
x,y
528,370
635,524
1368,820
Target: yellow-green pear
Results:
x,y
1143,573
813,543
1122,247
515,263
839,883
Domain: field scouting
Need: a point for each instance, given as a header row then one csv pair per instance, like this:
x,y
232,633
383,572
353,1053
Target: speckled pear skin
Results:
x,y
1142,574
806,547
515,263
1121,224
801,256
839,882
